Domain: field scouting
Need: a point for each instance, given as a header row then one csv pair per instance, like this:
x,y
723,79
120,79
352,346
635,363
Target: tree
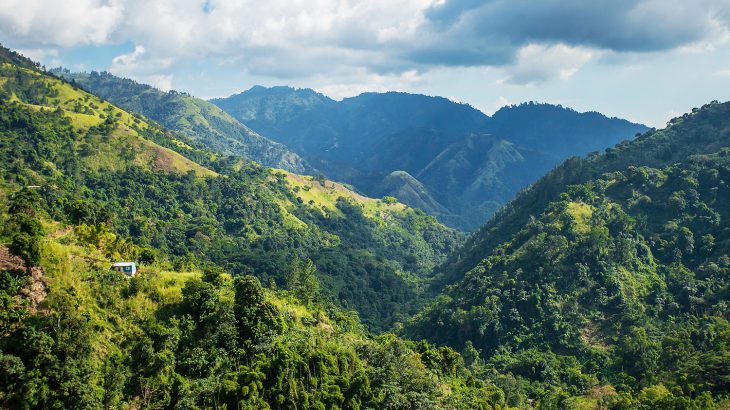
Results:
x,y
24,201
257,318
27,247
302,280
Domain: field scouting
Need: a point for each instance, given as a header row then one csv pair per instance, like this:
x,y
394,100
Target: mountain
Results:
x,y
84,183
611,272
404,185
604,285
559,131
193,117
110,170
485,160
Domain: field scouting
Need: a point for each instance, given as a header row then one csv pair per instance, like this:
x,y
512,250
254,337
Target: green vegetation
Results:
x,y
617,290
701,132
203,340
603,286
192,117
448,159
195,329
373,257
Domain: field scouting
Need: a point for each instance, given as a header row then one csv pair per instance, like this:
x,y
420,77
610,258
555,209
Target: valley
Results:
x,y
299,252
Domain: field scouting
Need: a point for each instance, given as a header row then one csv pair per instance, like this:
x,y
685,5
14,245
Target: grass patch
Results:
x,y
580,215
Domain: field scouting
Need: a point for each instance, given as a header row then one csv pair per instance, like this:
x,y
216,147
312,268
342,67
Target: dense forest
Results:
x,y
86,183
107,170
619,283
75,335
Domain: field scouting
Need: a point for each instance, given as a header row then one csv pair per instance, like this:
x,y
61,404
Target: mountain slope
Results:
x,y
362,140
700,132
613,267
125,135
84,183
197,119
102,167
75,335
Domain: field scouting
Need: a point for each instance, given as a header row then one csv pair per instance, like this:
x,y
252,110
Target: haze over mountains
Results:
x,y
603,285
447,158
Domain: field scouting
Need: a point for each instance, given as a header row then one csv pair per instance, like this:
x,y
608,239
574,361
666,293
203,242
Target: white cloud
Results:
x,y
39,54
380,40
501,102
360,81
536,63
162,82
60,23
139,66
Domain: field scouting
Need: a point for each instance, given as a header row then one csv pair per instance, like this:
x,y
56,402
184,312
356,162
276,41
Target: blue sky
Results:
x,y
645,60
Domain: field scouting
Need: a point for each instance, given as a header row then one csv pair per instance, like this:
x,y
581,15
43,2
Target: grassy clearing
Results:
x,y
580,214
324,196
124,146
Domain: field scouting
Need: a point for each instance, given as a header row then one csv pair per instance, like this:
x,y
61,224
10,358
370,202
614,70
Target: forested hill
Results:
x,y
75,335
610,274
448,158
84,183
193,117
700,132
110,171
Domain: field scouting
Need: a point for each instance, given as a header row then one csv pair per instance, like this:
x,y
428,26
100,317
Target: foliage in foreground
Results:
x,y
184,340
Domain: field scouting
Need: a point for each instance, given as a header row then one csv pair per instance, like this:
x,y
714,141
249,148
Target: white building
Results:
x,y
127,268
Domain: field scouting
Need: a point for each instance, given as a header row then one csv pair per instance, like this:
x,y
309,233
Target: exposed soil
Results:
x,y
36,289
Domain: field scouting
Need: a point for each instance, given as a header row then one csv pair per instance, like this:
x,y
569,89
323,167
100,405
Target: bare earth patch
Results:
x,y
36,290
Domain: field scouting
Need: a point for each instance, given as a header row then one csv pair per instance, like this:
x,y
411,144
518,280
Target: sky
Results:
x,y
644,60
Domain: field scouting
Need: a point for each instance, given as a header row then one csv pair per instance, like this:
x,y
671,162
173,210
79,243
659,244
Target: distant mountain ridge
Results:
x,y
190,116
467,164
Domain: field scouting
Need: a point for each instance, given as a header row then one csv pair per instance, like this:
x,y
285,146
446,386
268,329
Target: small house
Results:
x,y
127,268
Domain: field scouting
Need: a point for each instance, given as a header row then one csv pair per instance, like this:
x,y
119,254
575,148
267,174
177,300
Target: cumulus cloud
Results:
x,y
63,24
536,64
618,25
361,81
140,66
377,38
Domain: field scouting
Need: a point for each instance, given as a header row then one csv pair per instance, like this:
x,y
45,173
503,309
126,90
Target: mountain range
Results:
x,y
447,158
602,284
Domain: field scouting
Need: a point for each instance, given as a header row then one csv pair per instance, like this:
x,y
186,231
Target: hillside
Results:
x,y
362,140
111,138
84,183
700,132
99,166
609,273
75,335
193,117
